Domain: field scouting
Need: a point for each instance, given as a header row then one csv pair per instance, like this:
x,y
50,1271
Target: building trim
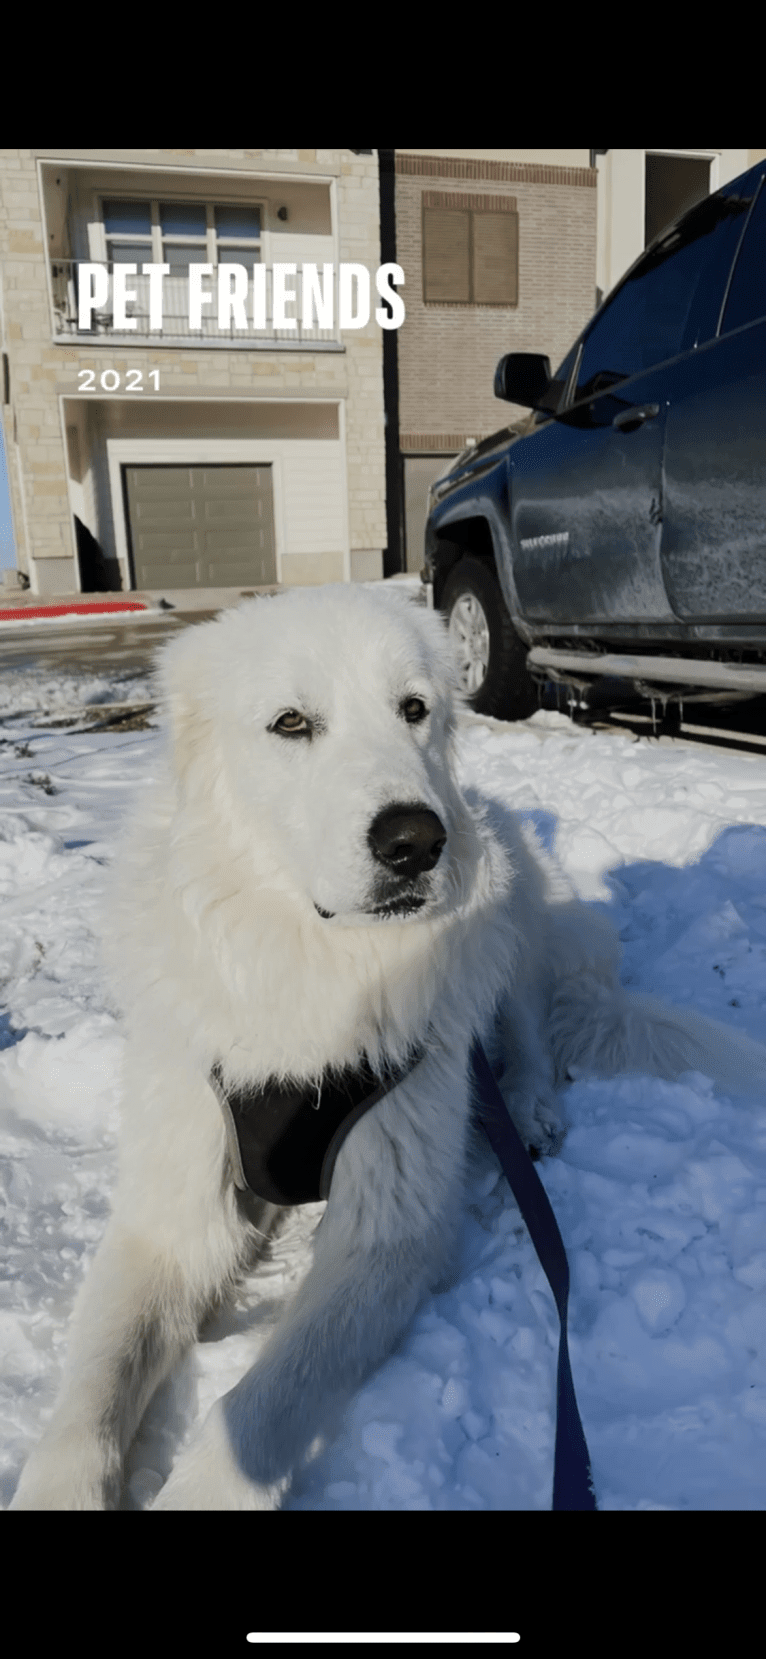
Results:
x,y
506,172
415,443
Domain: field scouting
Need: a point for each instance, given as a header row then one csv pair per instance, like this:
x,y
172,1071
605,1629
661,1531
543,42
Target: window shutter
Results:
x,y
495,258
446,254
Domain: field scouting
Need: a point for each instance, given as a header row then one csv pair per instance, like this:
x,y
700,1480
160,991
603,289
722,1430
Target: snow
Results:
x,y
660,1191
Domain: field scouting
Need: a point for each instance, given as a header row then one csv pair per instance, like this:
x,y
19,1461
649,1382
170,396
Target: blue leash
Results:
x,y
572,1478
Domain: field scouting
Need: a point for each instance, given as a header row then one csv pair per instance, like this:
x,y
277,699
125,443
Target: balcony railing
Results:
x,y
176,329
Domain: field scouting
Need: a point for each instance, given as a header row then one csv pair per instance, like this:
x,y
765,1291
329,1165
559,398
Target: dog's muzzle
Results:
x,y
406,841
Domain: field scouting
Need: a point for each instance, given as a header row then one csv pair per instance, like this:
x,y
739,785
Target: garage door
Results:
x,y
208,527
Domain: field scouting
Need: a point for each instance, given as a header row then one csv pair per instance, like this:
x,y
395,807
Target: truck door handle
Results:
x,y
629,419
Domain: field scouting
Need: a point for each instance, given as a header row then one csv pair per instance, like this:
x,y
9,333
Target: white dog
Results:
x,y
308,890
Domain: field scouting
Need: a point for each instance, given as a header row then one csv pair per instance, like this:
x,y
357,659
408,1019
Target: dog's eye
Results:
x,y
291,724
413,709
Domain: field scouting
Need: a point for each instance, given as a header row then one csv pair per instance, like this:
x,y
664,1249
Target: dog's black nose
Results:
x,y
407,839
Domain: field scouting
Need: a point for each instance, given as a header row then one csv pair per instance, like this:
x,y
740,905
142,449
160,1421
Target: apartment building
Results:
x,y
176,431
163,434
513,250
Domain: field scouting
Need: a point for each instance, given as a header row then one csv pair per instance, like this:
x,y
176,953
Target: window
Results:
x,y
747,294
671,301
672,183
470,253
181,233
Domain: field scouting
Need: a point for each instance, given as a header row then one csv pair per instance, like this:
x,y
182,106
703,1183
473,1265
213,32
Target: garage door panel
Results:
x,y
180,575
164,511
250,480
224,575
234,512
184,543
155,483
201,526
233,543
233,567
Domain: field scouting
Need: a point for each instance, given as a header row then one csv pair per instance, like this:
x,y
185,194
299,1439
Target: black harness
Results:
x,y
283,1142
284,1138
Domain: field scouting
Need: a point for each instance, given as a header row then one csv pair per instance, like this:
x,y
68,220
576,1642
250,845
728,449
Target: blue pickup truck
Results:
x,y
618,531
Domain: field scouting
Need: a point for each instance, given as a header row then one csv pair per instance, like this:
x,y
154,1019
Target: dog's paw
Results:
x,y
538,1120
207,1476
66,1471
182,1493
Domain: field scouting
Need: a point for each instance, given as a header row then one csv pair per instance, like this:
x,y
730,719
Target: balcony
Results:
x,y
175,328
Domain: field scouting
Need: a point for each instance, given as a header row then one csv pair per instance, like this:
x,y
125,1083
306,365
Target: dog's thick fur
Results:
x,y
257,924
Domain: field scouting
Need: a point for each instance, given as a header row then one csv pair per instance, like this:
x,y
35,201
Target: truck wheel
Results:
x,y
491,657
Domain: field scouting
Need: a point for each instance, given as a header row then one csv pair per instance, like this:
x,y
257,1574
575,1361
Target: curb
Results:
x,y
32,613
176,602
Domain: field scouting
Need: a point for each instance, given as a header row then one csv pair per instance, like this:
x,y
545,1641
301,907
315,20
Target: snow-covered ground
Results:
x,y
660,1191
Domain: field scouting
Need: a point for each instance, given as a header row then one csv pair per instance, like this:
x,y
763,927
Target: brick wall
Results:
x,y
448,353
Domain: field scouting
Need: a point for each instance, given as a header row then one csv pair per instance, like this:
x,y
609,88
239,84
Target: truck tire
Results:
x,y
491,657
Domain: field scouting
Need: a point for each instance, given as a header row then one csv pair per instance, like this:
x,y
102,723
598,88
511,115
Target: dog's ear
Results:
x,y
180,674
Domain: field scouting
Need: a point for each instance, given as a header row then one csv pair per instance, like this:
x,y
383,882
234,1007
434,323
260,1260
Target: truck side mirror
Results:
x,y
522,377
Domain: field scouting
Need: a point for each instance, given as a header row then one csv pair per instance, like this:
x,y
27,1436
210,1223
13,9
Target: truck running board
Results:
x,y
698,671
